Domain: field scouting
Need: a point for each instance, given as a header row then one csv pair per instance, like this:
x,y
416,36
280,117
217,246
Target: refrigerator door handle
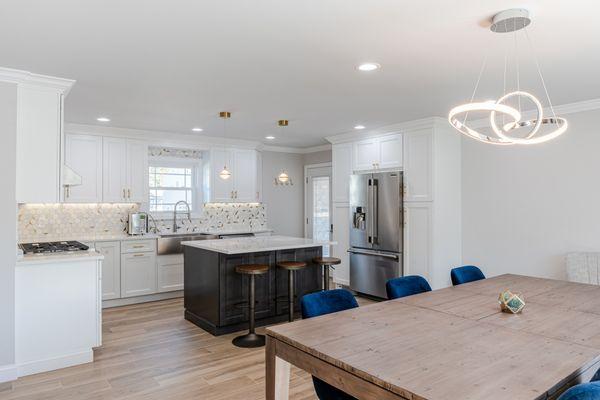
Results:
x,y
369,215
375,213
373,253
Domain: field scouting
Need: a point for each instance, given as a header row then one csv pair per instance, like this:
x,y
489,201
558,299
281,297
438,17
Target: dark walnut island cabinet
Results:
x,y
216,297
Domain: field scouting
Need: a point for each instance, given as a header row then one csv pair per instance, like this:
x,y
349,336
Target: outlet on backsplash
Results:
x,y
49,222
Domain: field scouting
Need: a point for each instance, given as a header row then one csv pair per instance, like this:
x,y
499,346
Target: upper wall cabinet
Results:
x,y
341,157
83,153
418,165
242,186
125,170
378,153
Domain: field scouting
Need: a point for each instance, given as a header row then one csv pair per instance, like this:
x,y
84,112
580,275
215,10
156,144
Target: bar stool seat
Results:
x,y
326,262
291,267
251,339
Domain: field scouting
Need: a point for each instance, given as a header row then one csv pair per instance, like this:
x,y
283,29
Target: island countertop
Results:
x,y
256,244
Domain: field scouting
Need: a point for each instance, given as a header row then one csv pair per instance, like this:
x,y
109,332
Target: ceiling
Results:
x,y
172,65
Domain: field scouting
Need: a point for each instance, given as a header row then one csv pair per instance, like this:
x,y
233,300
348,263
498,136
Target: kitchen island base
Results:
x,y
216,297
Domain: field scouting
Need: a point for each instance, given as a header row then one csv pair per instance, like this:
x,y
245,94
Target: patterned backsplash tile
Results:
x,y
48,222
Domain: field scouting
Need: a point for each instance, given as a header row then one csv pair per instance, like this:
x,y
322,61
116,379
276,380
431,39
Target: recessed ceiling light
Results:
x,y
103,119
359,127
269,137
197,129
368,67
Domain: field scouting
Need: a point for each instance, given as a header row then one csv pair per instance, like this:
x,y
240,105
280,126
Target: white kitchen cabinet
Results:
x,y
341,156
124,170
418,165
138,274
383,152
111,269
366,154
39,127
169,272
83,153
259,177
242,185
418,251
244,175
341,232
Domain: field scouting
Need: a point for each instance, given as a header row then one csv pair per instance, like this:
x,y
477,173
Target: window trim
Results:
x,y
176,162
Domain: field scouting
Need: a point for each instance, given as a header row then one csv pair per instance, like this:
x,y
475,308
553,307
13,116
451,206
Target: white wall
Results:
x,y
525,207
318,157
8,232
285,204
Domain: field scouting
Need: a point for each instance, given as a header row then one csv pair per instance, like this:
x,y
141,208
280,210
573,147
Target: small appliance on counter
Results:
x,y
138,223
52,247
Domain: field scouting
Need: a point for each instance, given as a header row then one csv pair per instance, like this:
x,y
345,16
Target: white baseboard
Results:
x,y
50,364
343,282
8,373
141,299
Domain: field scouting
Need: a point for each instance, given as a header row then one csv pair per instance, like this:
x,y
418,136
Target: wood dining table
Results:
x,y
452,343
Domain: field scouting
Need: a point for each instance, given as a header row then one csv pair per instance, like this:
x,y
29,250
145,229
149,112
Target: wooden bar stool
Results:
x,y
251,339
326,262
291,267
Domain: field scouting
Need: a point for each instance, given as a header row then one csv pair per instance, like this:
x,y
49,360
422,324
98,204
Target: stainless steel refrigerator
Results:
x,y
375,231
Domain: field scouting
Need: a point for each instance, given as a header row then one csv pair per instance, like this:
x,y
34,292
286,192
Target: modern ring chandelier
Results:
x,y
510,131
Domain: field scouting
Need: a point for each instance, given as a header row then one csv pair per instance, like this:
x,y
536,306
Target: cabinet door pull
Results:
x,y
124,195
138,246
129,193
138,255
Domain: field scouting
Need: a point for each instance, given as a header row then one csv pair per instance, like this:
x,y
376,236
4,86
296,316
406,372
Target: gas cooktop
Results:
x,y
52,247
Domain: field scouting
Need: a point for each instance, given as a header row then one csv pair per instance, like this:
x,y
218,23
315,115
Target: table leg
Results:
x,y
277,373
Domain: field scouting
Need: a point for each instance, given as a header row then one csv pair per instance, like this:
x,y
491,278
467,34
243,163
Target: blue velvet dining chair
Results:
x,y
466,274
321,303
406,286
584,391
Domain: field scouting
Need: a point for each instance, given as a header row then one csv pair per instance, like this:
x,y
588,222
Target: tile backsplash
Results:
x,y
48,222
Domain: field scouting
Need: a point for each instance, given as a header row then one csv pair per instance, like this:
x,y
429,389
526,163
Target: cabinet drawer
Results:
x,y
138,246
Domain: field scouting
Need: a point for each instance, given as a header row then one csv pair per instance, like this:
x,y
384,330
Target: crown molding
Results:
x,y
28,78
424,123
296,150
160,138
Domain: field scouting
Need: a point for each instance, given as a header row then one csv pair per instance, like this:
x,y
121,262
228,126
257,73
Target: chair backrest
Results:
x,y
584,391
466,274
327,302
406,286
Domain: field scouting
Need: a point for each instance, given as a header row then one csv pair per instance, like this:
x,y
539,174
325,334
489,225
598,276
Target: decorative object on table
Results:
x,y
225,173
511,128
511,302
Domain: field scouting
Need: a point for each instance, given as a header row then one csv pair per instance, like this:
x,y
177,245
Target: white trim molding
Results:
x,y
387,130
8,373
51,364
29,78
296,150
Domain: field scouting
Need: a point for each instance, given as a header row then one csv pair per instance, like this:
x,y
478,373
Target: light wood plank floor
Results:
x,y
150,352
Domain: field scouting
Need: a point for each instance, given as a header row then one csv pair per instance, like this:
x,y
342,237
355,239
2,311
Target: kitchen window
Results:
x,y
173,181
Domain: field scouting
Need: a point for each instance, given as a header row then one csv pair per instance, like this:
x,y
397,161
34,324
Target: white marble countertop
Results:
x,y
94,238
240,231
32,259
255,244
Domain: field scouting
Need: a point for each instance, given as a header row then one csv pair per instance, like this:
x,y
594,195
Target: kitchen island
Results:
x,y
216,297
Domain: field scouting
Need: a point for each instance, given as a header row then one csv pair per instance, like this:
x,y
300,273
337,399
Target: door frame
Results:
x,y
306,211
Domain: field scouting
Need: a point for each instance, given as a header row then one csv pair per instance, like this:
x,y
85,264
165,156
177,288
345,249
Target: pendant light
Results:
x,y
283,176
509,133
225,173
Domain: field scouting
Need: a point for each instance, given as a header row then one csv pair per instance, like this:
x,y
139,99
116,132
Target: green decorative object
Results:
x,y
511,302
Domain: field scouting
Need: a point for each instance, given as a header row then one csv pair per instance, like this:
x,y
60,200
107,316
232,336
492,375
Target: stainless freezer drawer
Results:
x,y
370,270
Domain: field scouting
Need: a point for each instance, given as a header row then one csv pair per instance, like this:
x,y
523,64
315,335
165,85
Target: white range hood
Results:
x,y
70,177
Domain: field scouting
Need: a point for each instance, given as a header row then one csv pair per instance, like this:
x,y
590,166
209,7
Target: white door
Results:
x,y
418,239
114,167
366,154
137,171
318,204
39,128
341,235
390,151
341,158
111,269
222,189
83,153
138,274
244,175
418,166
